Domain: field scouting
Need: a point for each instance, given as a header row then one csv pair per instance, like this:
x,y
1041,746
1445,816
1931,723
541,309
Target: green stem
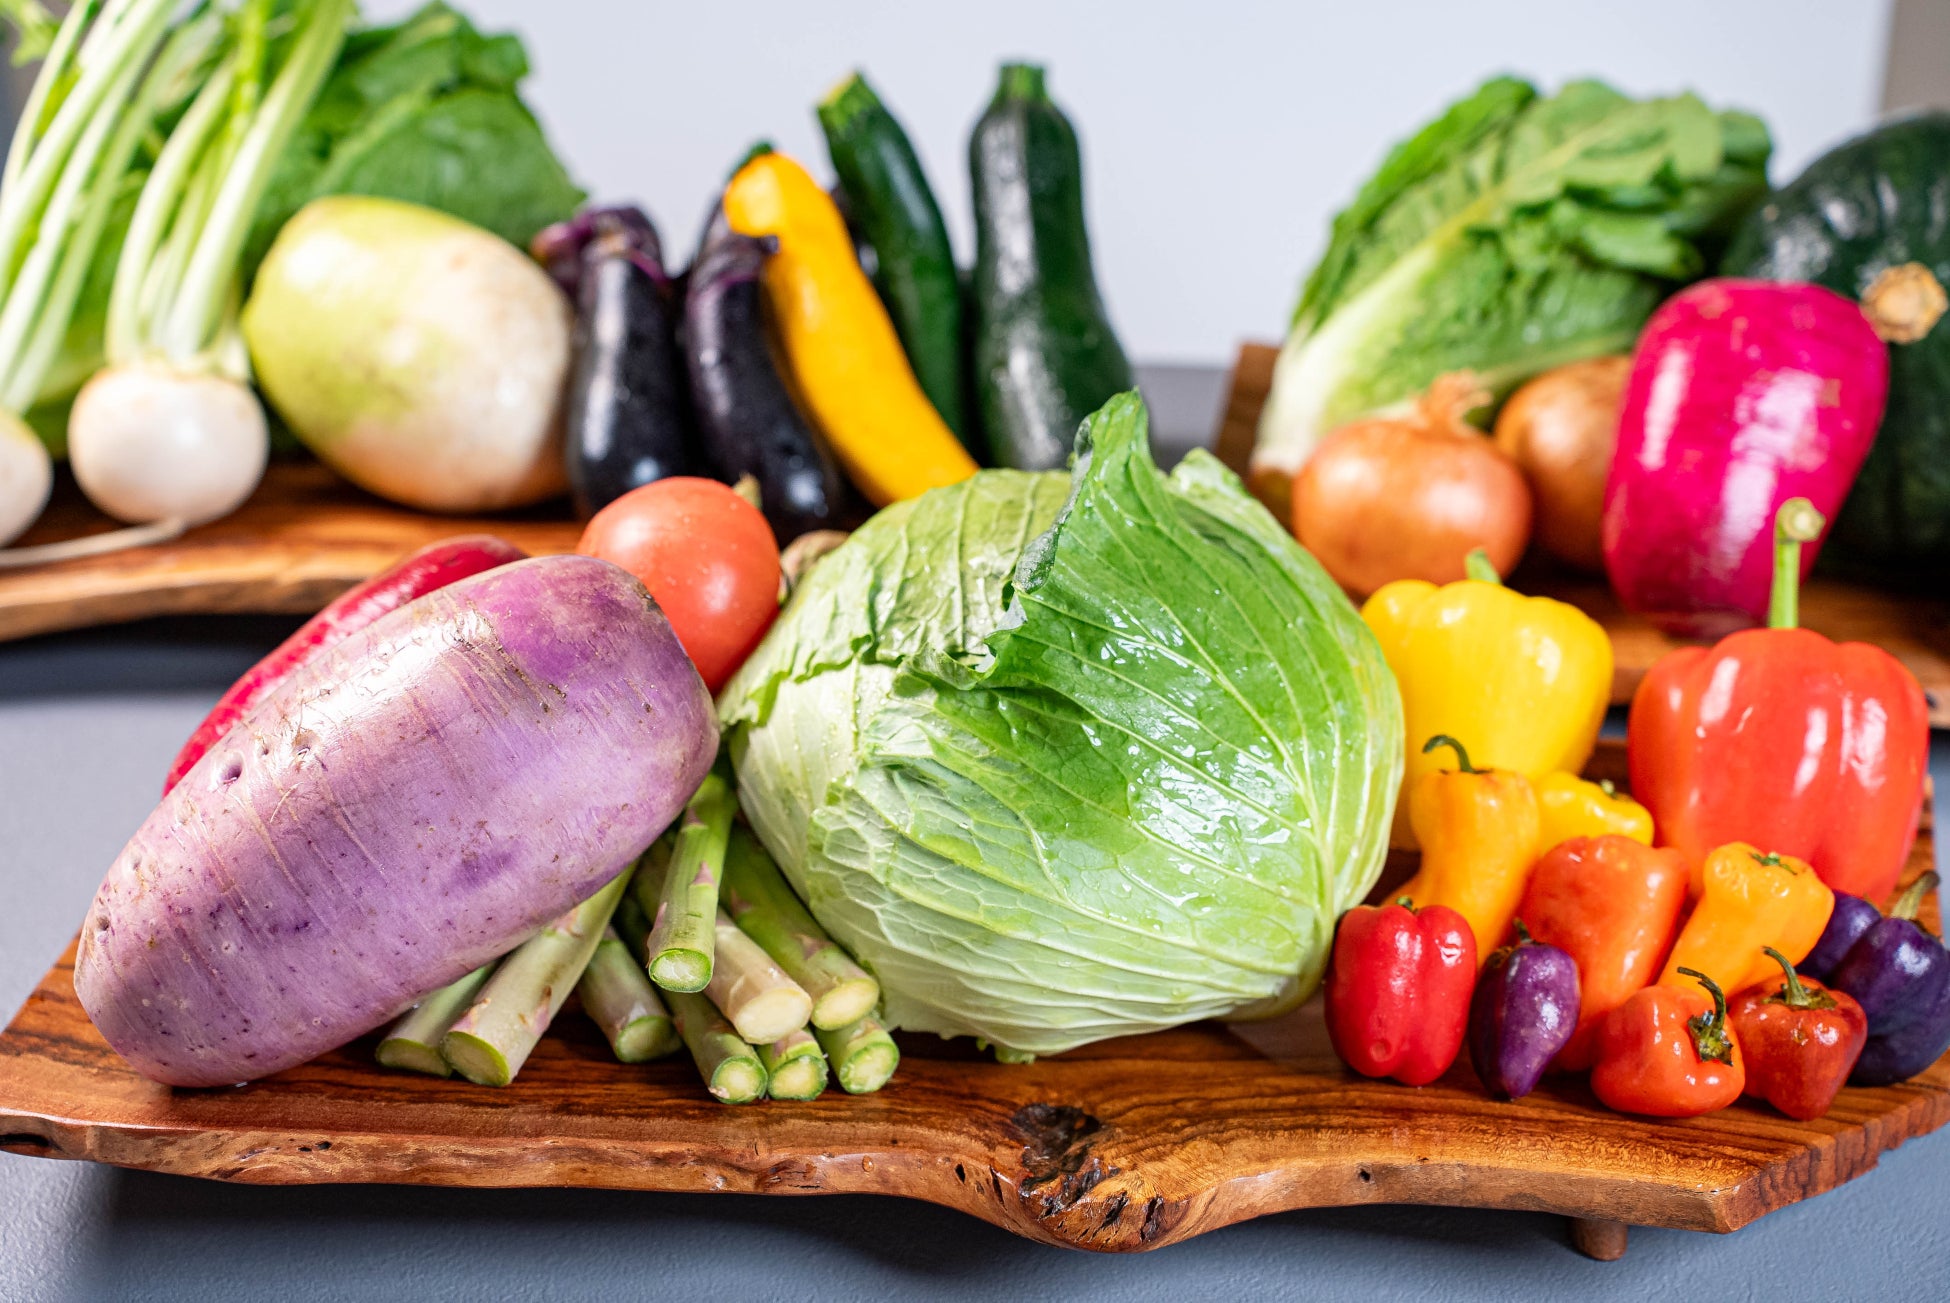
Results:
x,y
731,1069
413,1043
683,929
1477,566
1462,756
489,1043
1710,1039
863,1055
1793,993
762,1002
1797,522
55,66
763,904
1021,81
794,1066
1911,901
192,319
618,998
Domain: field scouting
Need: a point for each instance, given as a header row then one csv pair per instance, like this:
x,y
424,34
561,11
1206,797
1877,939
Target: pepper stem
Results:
x,y
1912,900
1797,522
1477,566
1462,756
1523,933
1710,1039
1792,993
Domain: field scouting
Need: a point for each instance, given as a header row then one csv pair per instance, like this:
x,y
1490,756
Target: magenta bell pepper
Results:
x,y
1743,394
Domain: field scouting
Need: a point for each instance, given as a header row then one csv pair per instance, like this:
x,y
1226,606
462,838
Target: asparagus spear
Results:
x,y
763,905
618,996
863,1055
795,1065
730,1068
753,992
683,925
494,1037
414,1042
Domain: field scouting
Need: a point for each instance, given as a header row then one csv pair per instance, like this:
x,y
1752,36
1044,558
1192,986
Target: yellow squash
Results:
x,y
846,361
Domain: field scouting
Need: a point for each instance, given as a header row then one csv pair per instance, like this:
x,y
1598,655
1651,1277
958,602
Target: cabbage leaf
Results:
x,y
1066,757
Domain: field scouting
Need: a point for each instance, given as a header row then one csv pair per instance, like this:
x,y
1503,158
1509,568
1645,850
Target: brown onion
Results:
x,y
1561,429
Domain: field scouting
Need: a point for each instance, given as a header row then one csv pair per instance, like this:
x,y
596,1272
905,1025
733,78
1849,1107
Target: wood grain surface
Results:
x,y
1915,629
1127,1144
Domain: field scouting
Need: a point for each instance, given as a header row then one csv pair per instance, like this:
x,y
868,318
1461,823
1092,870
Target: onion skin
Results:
x,y
1561,429
413,801
1743,394
1410,497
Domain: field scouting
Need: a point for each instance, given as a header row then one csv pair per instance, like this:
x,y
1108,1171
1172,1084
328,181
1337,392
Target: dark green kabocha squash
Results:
x,y
1874,203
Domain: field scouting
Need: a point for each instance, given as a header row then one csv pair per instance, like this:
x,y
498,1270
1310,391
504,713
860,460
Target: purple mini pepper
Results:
x,y
1524,1011
1900,975
1852,917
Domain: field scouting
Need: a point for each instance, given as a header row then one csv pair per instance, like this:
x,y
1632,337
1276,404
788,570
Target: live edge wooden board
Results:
x,y
1128,1144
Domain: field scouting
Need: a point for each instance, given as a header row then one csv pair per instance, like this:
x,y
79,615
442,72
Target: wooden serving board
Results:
x,y
1915,629
1127,1144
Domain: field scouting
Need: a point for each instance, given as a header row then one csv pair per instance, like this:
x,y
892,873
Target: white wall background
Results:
x,y
1219,135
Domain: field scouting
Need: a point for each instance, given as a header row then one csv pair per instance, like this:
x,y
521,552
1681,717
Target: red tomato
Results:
x,y
706,555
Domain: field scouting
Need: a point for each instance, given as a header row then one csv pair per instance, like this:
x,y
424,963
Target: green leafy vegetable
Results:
x,y
1513,234
1066,757
426,112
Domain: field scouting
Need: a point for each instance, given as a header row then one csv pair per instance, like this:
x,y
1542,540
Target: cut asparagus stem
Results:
x,y
683,926
617,994
493,1038
863,1055
414,1042
753,992
730,1068
631,923
763,905
794,1066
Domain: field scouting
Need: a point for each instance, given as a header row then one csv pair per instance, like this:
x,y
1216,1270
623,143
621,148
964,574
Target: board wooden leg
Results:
x,y
1602,1240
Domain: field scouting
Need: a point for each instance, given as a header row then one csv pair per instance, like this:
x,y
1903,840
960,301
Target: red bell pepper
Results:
x,y
1398,990
1781,738
1668,1052
1801,1038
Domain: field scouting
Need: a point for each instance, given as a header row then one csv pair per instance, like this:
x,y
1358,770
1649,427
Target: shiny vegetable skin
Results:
x,y
890,205
1743,395
1045,354
1523,1013
1746,900
1613,905
433,566
1668,1052
628,420
1900,975
417,799
747,421
1398,988
1853,916
1801,1039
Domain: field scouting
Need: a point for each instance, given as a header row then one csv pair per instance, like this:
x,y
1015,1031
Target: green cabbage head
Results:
x,y
1062,757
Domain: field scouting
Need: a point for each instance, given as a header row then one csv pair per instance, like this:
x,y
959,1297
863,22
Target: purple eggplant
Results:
x,y
628,419
1900,975
748,422
560,248
1524,1011
1852,917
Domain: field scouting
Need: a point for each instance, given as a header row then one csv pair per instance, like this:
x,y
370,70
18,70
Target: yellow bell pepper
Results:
x,y
1749,899
1578,807
1478,829
846,362
1523,682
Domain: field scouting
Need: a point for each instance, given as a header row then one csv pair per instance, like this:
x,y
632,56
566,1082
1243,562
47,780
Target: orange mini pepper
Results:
x,y
1478,829
1749,900
1668,1052
1613,905
1578,807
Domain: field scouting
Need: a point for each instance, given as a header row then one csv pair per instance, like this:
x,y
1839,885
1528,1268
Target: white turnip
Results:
x,y
413,801
151,442
26,477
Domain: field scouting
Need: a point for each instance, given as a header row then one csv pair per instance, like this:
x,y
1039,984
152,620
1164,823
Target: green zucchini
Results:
x,y
885,196
1869,204
1045,355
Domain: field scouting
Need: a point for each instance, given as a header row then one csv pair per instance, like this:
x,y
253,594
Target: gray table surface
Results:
x,y
88,724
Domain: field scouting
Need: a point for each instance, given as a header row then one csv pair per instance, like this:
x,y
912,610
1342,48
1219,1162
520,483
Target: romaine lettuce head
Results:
x,y
1066,757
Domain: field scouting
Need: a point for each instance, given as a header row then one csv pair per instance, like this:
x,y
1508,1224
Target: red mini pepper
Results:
x,y
1398,990
1801,1040
1668,1052
1781,738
